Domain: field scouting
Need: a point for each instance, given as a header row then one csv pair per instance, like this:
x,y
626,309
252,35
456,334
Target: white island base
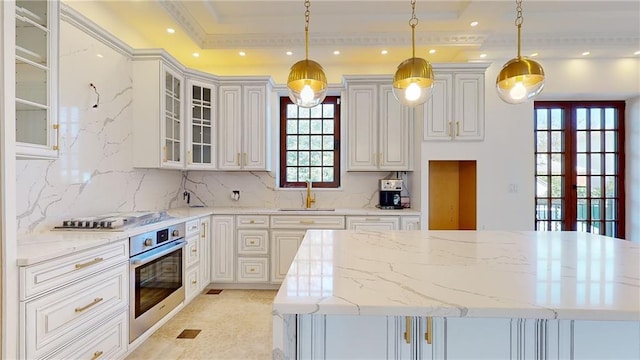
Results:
x,y
459,295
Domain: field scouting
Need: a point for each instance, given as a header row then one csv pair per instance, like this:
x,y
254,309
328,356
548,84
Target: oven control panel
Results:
x,y
151,239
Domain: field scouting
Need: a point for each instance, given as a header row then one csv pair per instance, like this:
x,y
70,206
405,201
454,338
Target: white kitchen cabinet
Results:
x,y
287,233
373,223
379,127
158,117
284,246
67,302
410,222
201,124
243,132
192,259
455,110
36,76
223,235
252,246
622,339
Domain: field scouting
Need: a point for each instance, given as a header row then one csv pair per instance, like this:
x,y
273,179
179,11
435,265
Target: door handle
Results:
x,y
428,335
407,333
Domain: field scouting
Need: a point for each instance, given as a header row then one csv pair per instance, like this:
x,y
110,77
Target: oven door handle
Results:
x,y
138,261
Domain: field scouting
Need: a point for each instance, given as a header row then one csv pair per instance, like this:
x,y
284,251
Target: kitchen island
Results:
x,y
459,295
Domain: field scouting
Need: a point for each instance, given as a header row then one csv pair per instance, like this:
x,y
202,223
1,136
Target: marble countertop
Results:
x,y
35,248
542,275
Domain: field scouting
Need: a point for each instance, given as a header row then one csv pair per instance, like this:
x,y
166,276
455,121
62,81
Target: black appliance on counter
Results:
x,y
390,190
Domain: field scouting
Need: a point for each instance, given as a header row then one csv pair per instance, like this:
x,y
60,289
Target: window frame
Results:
x,y
282,176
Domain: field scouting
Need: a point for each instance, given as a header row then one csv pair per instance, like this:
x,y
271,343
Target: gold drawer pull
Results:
x,y
252,270
407,333
194,282
97,354
307,221
89,263
204,231
252,221
429,334
194,250
372,219
94,302
252,242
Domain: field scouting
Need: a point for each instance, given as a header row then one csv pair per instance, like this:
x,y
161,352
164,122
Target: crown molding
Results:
x,y
563,41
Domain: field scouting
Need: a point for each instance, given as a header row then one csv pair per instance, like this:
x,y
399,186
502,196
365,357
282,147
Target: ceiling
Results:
x,y
360,30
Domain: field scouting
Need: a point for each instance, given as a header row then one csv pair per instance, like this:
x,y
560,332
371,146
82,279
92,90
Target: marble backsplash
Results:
x,y
94,172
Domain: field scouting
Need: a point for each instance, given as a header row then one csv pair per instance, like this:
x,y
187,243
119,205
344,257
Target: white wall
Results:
x,y
632,177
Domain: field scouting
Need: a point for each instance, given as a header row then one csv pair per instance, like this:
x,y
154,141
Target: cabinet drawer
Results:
x,y
108,341
307,222
253,221
373,223
253,242
192,283
192,227
192,251
60,316
253,270
48,275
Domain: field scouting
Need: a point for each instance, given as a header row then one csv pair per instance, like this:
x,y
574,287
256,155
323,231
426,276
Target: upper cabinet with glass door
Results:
x,y
201,124
158,120
36,44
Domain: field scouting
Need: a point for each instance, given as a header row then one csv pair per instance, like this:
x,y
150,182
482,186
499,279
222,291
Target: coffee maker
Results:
x,y
390,190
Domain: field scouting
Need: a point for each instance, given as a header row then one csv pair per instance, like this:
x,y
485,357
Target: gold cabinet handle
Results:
x,y
194,282
252,221
238,159
97,354
407,333
252,270
307,221
252,242
457,128
89,263
194,250
428,335
372,219
204,231
94,302
56,127
165,157
244,156
450,128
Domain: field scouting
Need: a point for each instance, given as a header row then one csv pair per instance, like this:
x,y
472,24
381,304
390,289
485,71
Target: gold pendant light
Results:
x,y
307,83
413,81
520,79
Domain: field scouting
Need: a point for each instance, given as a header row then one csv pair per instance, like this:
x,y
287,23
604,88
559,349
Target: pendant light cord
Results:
x,y
413,22
307,3
519,21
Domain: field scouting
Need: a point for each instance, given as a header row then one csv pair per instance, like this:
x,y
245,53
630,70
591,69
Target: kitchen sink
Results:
x,y
306,209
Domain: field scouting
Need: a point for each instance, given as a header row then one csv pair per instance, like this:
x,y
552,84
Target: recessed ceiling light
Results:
x,y
336,52
474,23
242,53
586,53
637,52
171,30
100,56
195,54
533,54
432,51
483,55
384,52
289,53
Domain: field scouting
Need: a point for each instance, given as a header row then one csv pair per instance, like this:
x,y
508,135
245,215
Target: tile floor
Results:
x,y
235,324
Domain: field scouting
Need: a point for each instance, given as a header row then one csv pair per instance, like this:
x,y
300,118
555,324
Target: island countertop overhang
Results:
x,y
514,274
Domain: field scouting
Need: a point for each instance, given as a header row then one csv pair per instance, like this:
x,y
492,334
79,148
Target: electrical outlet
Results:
x,y
235,195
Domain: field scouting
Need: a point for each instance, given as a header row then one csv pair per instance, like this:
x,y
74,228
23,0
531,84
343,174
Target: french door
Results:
x,y
579,150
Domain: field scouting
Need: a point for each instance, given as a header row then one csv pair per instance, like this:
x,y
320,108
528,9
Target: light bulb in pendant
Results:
x,y
306,95
518,92
413,92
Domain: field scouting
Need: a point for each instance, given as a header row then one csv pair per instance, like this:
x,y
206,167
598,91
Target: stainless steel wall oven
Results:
x,y
157,277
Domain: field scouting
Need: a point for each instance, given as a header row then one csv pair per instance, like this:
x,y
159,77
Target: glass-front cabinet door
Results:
x,y
172,117
36,77
200,117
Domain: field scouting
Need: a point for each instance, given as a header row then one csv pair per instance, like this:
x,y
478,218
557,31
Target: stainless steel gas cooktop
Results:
x,y
114,221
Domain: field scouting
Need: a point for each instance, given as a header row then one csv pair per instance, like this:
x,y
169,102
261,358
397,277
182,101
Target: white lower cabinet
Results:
x,y
197,262
253,270
373,223
223,249
410,222
421,338
252,237
284,246
86,313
